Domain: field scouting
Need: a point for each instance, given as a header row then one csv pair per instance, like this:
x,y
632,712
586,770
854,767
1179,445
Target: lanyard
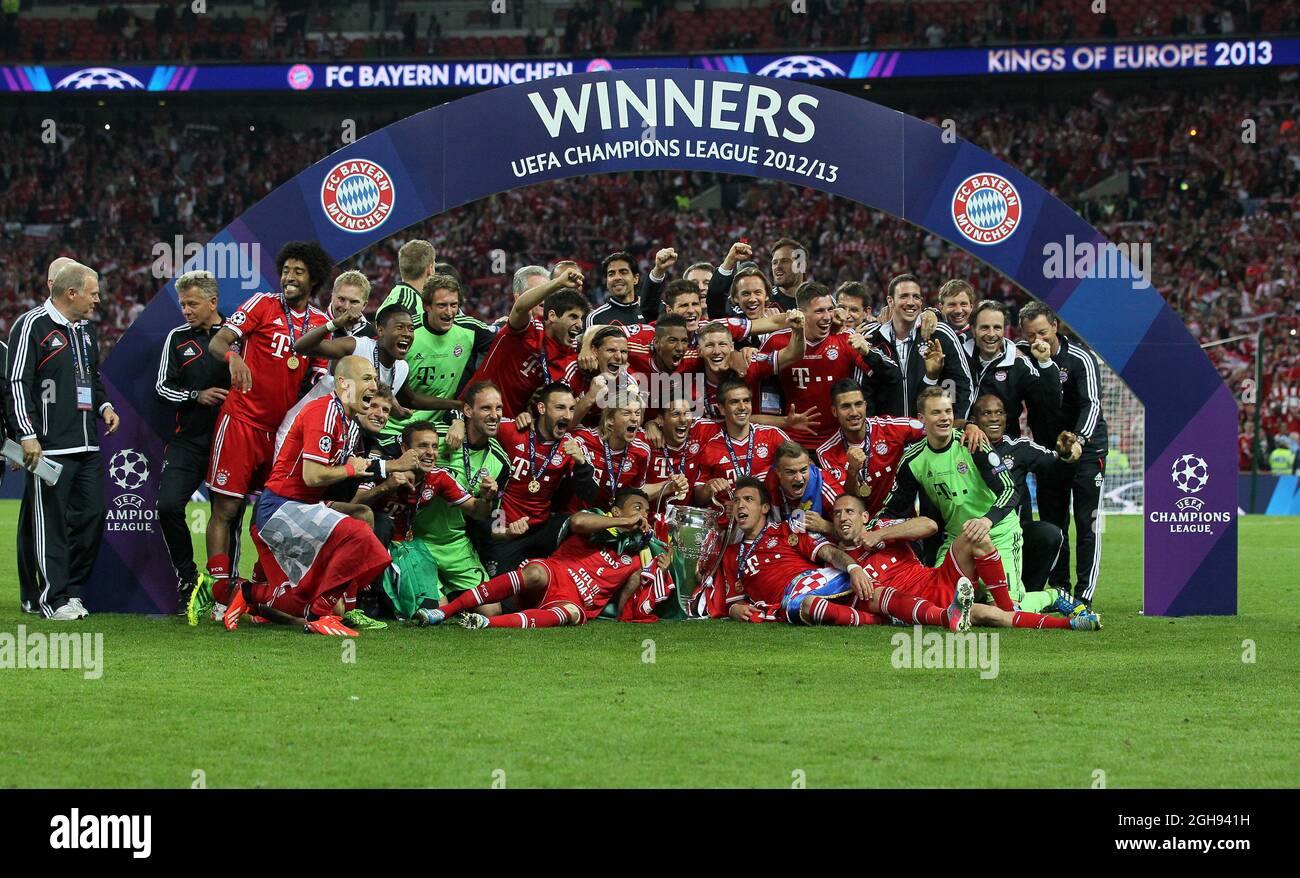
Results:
x,y
533,469
615,470
680,467
78,351
743,556
288,320
731,451
546,363
379,370
351,428
471,481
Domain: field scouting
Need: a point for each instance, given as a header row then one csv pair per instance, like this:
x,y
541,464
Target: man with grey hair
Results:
x,y
196,384
525,279
56,266
55,400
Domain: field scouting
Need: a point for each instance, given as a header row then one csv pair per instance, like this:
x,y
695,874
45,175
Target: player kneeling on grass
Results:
x,y
316,558
773,574
604,558
884,550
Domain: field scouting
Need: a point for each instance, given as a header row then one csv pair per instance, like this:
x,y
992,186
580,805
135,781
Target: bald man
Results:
x,y
317,558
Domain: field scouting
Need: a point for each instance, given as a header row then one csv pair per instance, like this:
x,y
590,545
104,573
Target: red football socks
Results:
x,y
219,570
908,608
1038,620
994,576
549,618
495,589
823,612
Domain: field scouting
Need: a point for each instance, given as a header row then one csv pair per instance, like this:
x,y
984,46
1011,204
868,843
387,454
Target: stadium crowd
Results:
x,y
1220,215
294,31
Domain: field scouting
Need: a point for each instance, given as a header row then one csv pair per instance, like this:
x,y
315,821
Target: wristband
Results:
x,y
229,354
851,566
350,470
330,325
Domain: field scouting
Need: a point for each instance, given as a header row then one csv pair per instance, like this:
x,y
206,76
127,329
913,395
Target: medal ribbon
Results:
x,y
743,556
749,455
614,470
532,458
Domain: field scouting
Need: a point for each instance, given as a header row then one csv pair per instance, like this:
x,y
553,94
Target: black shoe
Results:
x,y
183,592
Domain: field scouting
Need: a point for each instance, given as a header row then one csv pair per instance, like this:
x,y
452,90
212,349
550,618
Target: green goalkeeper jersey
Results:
x,y
440,522
441,364
960,484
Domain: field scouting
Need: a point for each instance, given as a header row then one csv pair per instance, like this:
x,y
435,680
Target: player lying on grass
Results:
x,y
884,550
315,558
775,573
602,559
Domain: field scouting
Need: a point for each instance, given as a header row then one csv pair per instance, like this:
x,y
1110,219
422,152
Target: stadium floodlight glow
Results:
x,y
805,135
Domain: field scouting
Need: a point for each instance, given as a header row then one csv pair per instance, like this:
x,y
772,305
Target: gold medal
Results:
x,y
864,490
793,540
293,363
534,486
410,535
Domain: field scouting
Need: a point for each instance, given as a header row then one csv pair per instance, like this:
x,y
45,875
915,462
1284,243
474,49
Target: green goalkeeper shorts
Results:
x,y
459,568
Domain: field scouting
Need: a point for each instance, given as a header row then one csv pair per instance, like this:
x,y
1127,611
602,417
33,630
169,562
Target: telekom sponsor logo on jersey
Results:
x,y
986,208
357,195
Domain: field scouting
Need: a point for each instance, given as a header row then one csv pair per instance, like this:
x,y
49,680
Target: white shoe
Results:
x,y
218,612
66,613
76,604
27,608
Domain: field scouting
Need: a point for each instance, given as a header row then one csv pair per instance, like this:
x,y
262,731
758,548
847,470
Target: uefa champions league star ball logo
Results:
x,y
357,195
801,67
986,208
128,469
99,79
1190,474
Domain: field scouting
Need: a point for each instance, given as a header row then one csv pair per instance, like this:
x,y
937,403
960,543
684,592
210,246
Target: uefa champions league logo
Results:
x,y
801,67
99,79
128,469
1190,474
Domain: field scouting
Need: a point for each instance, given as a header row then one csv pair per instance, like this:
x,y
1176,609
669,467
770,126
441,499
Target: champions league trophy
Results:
x,y
693,534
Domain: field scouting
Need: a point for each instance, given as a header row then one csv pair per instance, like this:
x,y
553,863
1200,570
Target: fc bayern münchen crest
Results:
x,y
986,208
357,195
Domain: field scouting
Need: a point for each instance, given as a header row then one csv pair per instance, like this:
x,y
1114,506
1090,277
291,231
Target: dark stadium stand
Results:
x,y
288,31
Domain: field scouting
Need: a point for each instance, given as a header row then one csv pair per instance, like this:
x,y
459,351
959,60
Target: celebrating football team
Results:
x,y
853,468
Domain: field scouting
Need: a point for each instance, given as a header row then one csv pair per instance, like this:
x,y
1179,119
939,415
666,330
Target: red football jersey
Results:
x,y
641,352
894,558
597,573
633,462
550,463
807,382
759,371
725,458
770,563
322,432
437,483
886,440
514,364
266,344
684,459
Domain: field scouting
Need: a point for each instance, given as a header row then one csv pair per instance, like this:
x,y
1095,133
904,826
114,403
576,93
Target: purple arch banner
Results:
x,y
730,123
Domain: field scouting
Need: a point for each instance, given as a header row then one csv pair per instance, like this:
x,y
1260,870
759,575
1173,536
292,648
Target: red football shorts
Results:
x,y
937,585
241,457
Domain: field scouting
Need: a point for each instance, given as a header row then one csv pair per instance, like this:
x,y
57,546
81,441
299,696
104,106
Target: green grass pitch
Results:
x,y
1149,702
